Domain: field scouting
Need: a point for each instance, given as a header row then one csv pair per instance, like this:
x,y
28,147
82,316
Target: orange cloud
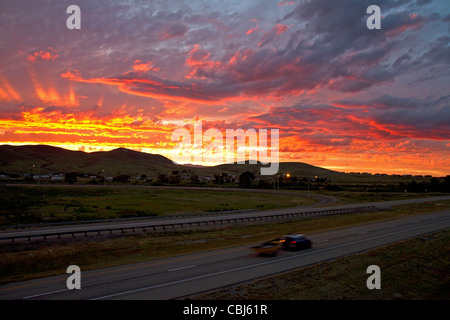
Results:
x,y
7,91
48,93
143,67
280,28
252,30
44,55
74,129
72,75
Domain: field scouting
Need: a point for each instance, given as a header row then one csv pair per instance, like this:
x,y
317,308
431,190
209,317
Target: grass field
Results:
x,y
51,204
37,204
38,259
349,197
415,269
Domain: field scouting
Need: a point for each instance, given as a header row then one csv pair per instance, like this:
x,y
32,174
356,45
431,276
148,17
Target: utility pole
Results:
x,y
308,187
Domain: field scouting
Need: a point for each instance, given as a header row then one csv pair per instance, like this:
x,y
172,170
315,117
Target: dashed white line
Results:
x,y
259,264
182,268
44,294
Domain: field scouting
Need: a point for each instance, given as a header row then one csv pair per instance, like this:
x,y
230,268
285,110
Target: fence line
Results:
x,y
185,224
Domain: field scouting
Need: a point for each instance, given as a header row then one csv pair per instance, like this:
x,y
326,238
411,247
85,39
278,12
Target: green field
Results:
x,y
52,204
349,197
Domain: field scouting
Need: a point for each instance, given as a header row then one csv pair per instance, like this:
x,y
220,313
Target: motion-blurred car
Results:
x,y
295,242
269,248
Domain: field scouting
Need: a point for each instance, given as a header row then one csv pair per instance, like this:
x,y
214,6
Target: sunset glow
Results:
x,y
342,96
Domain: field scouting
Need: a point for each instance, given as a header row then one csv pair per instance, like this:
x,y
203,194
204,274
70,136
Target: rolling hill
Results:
x,y
48,159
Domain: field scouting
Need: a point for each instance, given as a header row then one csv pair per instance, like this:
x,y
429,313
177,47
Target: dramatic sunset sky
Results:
x,y
342,96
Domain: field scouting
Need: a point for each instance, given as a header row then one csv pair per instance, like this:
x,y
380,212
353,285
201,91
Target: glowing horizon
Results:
x,y
166,153
343,97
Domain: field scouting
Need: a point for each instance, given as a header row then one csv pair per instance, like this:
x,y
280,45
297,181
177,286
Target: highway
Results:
x,y
184,276
206,217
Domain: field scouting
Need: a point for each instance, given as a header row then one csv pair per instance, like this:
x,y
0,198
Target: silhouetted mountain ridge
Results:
x,y
49,159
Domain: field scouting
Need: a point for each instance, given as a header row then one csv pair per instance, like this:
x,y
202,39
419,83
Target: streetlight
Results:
x,y
308,187
288,175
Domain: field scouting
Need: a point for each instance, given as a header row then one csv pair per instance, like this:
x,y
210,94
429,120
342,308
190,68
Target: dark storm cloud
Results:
x,y
426,118
328,46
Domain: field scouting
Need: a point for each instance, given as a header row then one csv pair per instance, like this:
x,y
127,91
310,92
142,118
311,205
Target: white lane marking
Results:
x,y
45,294
323,241
258,264
393,226
182,268
364,232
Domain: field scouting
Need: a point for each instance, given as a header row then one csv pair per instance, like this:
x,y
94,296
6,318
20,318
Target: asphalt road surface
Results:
x,y
184,276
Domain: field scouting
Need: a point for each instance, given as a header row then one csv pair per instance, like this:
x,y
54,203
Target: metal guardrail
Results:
x,y
172,226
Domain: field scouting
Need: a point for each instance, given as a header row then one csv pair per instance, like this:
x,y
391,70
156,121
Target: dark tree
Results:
x,y
70,177
162,178
195,179
246,179
122,178
447,184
